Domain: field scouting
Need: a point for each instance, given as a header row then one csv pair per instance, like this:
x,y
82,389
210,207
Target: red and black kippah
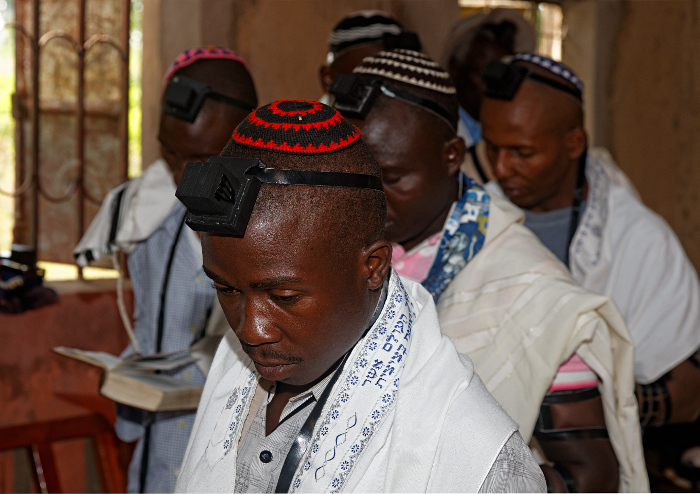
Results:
x,y
296,127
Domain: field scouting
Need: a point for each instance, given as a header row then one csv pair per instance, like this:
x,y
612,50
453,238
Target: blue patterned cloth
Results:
x,y
462,238
188,300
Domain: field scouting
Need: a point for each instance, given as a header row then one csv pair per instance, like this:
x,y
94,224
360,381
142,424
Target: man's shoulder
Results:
x,y
475,428
613,194
515,251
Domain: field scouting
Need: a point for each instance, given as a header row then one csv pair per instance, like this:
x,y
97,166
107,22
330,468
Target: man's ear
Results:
x,y
326,78
575,143
376,261
453,154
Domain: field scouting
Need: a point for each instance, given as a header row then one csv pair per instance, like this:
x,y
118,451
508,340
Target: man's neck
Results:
x,y
433,227
563,201
284,393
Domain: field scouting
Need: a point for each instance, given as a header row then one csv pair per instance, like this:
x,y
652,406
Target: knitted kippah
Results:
x,y
190,56
408,66
552,66
296,127
366,26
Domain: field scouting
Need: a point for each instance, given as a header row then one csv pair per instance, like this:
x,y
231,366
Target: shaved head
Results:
x,y
228,77
563,110
534,143
182,141
300,286
348,218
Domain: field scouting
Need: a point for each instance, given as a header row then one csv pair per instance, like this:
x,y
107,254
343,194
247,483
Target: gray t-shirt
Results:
x,y
552,228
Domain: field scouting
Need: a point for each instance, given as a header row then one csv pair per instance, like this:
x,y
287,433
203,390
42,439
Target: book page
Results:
x,y
99,359
156,362
153,392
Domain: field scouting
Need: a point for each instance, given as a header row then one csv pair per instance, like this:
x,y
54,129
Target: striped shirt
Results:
x,y
189,297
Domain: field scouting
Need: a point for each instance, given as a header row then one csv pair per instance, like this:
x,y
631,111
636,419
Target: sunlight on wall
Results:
x,y
7,126
546,18
59,272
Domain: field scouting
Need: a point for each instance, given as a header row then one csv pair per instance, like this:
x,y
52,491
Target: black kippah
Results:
x,y
367,26
296,127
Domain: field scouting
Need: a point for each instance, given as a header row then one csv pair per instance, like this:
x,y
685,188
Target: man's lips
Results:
x,y
273,372
512,190
265,363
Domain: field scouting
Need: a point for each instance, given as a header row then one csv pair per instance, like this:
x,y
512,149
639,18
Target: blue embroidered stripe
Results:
x,y
462,239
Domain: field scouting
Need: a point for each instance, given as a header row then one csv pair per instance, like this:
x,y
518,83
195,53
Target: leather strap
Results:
x,y
337,179
301,443
554,84
570,396
650,397
230,101
477,164
572,434
410,97
576,203
149,417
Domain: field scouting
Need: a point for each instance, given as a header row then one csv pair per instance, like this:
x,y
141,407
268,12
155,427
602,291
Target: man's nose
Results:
x,y
502,164
254,323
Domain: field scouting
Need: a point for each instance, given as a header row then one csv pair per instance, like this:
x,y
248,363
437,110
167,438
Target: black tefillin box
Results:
x,y
220,194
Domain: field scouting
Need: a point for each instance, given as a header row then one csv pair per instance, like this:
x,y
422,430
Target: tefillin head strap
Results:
x,y
355,95
220,193
504,79
184,98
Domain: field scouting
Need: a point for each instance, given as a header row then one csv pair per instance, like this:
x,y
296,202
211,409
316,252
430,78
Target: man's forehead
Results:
x,y
270,248
520,117
276,225
395,116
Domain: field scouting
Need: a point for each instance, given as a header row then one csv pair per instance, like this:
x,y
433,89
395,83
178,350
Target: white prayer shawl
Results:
x,y
408,413
516,312
624,250
146,201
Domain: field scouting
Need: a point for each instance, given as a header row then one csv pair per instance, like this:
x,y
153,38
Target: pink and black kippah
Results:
x,y
188,57
296,127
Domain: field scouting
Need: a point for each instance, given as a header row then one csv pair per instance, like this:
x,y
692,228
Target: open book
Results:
x,y
134,381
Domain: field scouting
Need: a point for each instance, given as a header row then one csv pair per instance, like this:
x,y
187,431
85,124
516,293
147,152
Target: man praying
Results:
x,y
336,376
207,91
585,210
505,301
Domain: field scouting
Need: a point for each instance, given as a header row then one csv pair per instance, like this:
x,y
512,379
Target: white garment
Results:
x,y
626,251
146,201
516,312
420,421
465,135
